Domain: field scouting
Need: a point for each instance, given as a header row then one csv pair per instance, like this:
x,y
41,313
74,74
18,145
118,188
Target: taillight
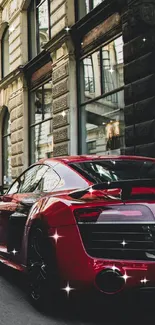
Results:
x,y
87,215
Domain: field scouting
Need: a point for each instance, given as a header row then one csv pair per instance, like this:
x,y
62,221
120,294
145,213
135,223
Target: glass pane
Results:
x,y
7,179
103,125
112,65
96,2
31,178
43,23
47,95
41,141
85,6
41,103
92,77
5,53
36,106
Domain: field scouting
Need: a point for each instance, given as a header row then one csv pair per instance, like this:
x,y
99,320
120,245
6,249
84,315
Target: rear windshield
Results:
x,y
113,170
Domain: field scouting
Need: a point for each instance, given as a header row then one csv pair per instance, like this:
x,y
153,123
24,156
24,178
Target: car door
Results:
x,y
13,212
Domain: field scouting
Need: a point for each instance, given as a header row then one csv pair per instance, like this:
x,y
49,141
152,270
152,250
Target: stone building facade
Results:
x,y
76,77
24,72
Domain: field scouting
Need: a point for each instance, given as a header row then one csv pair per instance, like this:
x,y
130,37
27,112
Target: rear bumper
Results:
x,y
81,272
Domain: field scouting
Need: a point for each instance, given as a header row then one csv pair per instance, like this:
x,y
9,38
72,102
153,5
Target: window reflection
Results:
x,y
43,26
5,52
39,25
6,151
85,6
108,63
41,123
104,128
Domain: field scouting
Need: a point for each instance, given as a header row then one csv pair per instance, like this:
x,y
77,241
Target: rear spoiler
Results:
x,y
125,185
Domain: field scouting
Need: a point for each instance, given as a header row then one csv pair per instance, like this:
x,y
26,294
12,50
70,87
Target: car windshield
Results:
x,y
114,170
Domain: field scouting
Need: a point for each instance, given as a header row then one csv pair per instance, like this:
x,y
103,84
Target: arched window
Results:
x,y
5,52
6,150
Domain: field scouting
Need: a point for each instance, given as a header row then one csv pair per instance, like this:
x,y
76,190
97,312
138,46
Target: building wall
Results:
x,y
139,73
14,86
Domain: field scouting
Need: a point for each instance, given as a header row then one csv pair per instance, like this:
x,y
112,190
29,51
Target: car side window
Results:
x,y
70,179
49,181
14,188
29,180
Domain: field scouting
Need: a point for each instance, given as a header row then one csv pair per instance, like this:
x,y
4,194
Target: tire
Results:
x,y
42,275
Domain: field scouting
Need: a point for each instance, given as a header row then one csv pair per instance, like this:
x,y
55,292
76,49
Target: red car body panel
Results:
x,y
56,211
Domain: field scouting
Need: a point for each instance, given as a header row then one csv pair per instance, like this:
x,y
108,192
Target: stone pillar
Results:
x,y
15,107
64,101
138,21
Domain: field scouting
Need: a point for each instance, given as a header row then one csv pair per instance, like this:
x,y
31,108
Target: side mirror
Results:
x,y
1,197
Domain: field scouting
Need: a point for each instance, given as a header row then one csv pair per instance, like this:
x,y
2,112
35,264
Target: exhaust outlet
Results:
x,y
109,281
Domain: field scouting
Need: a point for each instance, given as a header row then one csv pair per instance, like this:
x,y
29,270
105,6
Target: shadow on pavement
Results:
x,y
133,309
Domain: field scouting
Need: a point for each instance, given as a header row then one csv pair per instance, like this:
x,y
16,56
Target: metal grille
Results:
x,y
119,241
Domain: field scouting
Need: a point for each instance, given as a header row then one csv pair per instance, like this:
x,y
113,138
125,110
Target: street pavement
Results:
x,y
15,309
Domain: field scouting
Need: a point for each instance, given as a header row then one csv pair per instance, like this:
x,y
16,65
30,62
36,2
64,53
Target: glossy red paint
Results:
x,y
56,211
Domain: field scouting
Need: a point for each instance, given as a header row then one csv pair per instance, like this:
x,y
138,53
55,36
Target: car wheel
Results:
x,y
42,280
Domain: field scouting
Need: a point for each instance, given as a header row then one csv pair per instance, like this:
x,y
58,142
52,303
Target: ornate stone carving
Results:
x,y
61,103
60,73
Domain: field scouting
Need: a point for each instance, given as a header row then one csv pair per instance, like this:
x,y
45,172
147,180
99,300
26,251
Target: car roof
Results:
x,y
83,158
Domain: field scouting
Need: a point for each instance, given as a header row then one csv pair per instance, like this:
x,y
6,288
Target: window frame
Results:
x,y
5,136
34,49
6,30
33,125
103,95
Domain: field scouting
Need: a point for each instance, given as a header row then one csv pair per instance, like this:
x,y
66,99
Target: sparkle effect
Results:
x,y
63,113
123,243
14,252
67,29
56,236
125,277
91,190
144,39
111,70
68,289
11,29
144,281
114,268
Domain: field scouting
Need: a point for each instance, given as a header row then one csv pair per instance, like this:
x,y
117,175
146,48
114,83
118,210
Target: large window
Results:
x,y
41,122
6,150
5,53
85,6
39,26
102,99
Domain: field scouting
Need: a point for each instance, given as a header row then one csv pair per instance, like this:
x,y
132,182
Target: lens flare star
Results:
x,y
68,289
144,281
123,243
14,252
114,268
111,70
56,236
67,29
91,190
126,277
63,113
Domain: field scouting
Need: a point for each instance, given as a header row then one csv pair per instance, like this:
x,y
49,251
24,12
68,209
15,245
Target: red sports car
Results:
x,y
85,223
